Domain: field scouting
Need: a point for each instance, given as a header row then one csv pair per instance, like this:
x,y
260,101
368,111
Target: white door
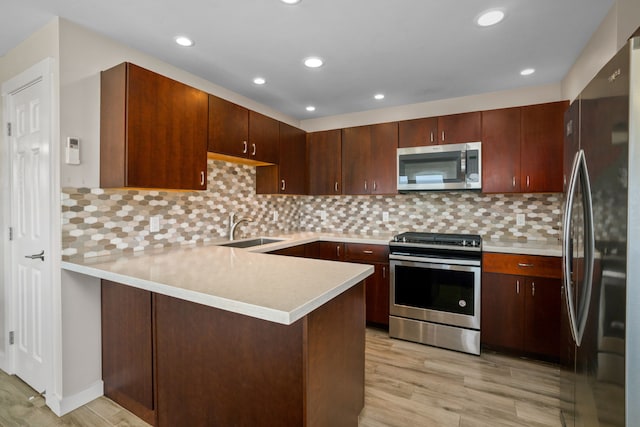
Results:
x,y
29,148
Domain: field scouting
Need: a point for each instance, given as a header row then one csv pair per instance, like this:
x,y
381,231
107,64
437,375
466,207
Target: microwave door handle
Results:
x,y
463,162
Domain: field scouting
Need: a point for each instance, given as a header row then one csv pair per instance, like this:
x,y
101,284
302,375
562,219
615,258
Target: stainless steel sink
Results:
x,y
251,242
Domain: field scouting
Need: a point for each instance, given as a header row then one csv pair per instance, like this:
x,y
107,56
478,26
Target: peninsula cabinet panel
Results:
x,y
369,159
324,162
501,150
153,131
458,128
238,132
418,132
217,368
542,147
127,348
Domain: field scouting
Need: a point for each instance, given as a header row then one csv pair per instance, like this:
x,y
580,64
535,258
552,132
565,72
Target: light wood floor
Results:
x,y
406,384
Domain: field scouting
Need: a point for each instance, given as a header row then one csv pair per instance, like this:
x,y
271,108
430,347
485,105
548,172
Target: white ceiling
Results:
x,y
410,50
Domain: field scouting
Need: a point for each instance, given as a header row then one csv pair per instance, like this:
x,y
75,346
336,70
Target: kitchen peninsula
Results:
x,y
211,335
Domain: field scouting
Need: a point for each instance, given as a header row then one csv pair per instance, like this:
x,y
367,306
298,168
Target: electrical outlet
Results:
x,y
275,216
520,219
385,216
323,215
154,224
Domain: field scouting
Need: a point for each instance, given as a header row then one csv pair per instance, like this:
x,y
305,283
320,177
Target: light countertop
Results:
x,y
247,281
269,287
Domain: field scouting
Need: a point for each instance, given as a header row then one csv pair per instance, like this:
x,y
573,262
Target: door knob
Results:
x,y
36,256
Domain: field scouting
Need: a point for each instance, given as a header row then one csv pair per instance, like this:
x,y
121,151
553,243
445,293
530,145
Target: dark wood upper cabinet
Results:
x,y
324,162
289,175
458,128
238,132
522,149
369,159
418,132
153,131
501,150
542,147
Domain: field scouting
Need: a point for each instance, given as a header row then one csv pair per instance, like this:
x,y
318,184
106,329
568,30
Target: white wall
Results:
x,y
620,23
40,45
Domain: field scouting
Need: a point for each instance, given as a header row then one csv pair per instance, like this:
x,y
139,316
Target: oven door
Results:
x,y
436,292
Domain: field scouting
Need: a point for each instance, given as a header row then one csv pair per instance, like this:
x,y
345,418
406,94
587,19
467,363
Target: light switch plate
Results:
x,y
154,224
385,216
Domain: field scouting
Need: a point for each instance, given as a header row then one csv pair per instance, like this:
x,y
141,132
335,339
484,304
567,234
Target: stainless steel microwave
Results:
x,y
440,167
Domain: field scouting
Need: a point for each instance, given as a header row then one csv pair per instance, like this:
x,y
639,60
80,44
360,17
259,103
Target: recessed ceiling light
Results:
x,y
311,108
379,96
259,81
490,17
290,1
184,41
527,72
313,62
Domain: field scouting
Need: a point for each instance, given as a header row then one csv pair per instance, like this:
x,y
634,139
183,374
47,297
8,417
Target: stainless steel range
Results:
x,y
435,289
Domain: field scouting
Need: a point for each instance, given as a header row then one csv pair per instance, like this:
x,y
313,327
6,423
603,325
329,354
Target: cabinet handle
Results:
x,y
375,186
338,251
284,186
513,182
365,185
518,287
368,252
202,178
244,150
336,187
253,153
432,137
527,181
524,265
384,272
533,289
442,136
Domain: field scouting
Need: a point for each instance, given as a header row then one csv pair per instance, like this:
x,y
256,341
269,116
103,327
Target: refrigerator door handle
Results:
x,y
567,257
578,320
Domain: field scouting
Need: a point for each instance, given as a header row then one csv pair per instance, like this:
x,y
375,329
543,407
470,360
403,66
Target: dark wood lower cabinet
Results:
x,y
127,348
210,367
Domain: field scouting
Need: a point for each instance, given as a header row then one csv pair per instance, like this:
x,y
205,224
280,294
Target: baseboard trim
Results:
x,y
63,405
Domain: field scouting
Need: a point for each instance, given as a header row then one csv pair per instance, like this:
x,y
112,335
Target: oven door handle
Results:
x,y
438,261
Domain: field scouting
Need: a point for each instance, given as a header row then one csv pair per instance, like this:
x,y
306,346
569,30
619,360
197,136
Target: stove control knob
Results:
x,y
464,243
404,239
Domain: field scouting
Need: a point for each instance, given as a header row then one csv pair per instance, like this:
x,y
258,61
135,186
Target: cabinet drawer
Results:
x,y
524,265
366,252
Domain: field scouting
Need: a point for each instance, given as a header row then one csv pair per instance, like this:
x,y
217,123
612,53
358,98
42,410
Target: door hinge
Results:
x,y
10,233
11,337
9,129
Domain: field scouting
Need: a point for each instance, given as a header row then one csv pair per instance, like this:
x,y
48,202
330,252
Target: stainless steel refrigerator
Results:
x,y
600,381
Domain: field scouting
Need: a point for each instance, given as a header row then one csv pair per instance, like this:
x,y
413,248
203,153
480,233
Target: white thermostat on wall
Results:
x,y
72,151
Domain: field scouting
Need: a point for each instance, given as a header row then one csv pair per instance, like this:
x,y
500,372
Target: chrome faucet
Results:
x,y
233,224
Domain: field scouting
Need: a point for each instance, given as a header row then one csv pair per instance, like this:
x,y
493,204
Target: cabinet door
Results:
x,y
502,317
292,160
542,147
228,128
377,295
127,348
324,162
501,150
295,251
542,316
418,132
264,138
457,128
152,131
384,166
356,160
333,251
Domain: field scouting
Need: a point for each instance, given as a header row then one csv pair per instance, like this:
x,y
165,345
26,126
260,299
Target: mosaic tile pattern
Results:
x,y
492,216
105,221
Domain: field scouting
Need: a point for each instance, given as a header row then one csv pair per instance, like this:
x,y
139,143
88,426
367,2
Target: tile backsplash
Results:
x,y
105,221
